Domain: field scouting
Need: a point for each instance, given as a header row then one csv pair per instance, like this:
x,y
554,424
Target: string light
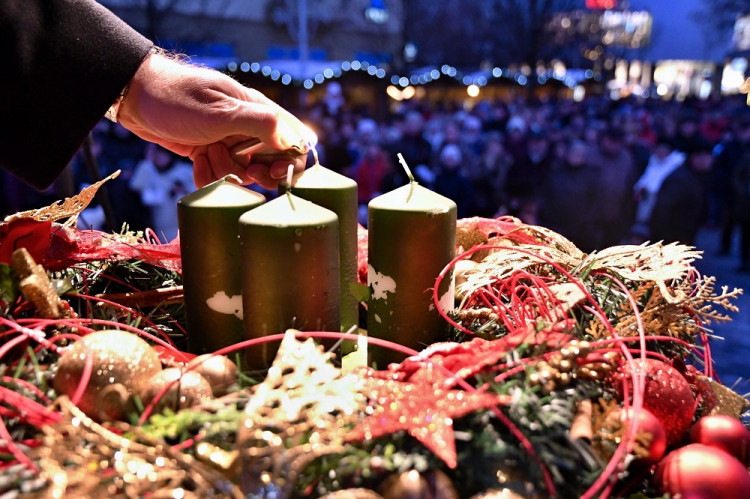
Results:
x,y
428,75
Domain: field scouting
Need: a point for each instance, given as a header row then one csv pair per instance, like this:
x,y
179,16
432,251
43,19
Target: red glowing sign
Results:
x,y
601,4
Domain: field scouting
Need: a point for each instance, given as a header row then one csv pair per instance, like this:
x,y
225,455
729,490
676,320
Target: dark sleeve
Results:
x,y
64,62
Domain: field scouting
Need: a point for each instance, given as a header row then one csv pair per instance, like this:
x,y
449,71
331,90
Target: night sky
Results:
x,y
675,34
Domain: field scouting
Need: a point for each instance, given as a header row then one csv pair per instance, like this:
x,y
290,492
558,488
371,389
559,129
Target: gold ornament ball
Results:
x,y
117,358
353,494
220,372
415,485
183,390
499,494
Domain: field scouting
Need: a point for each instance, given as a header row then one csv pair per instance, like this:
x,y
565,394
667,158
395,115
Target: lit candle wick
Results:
x,y
412,182
315,157
289,176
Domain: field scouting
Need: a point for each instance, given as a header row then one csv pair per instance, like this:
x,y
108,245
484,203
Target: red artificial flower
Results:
x,y
24,233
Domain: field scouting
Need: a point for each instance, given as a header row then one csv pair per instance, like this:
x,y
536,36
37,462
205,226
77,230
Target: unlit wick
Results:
x,y
412,182
289,176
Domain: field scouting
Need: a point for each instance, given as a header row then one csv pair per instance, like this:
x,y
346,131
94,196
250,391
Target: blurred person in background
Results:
x,y
733,147
472,138
120,149
335,150
664,161
161,179
489,176
515,137
678,209
373,164
527,174
452,181
741,188
453,134
688,137
417,153
497,118
568,198
617,174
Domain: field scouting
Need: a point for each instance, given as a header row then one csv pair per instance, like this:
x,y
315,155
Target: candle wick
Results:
x,y
315,157
289,176
406,167
289,197
233,178
412,182
349,331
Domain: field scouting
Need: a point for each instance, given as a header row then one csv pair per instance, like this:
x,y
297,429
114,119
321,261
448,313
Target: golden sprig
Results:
x,y
69,208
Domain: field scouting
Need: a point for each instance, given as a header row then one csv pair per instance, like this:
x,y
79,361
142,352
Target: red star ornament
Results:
x,y
424,410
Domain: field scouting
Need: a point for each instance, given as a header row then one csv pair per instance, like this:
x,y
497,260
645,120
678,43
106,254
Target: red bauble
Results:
x,y
667,395
698,471
649,424
725,433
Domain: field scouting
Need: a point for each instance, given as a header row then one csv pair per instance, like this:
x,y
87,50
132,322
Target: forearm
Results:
x,y
64,63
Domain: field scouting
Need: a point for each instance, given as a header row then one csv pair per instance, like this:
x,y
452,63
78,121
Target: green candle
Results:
x,y
210,248
412,237
290,272
338,193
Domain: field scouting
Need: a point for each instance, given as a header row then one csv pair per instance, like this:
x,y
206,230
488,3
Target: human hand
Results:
x,y
201,113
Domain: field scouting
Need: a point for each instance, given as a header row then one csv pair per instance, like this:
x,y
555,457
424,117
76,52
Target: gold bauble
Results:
x,y
183,390
352,494
122,364
412,484
499,494
220,372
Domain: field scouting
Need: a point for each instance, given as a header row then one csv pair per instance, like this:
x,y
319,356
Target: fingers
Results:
x,y
260,174
217,163
202,173
279,169
222,163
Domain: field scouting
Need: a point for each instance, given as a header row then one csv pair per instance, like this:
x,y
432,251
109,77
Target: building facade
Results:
x,y
258,30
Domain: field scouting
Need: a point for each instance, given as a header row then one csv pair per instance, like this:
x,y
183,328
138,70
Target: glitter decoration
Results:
x,y
424,410
302,410
77,452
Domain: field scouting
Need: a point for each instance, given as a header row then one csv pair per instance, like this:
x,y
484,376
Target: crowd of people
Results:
x,y
600,172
